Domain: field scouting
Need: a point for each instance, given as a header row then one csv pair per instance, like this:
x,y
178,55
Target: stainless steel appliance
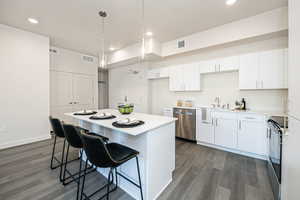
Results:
x,y
186,123
276,129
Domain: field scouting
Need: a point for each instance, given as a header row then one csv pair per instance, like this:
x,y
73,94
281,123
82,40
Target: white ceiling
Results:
x,y
75,24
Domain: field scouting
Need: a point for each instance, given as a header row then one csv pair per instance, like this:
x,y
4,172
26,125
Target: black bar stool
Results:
x,y
110,155
58,132
72,135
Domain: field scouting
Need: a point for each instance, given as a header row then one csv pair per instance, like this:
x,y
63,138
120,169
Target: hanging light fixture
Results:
x,y
143,30
103,14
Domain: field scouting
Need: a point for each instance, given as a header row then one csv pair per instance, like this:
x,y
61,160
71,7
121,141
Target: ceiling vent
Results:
x,y
181,44
87,58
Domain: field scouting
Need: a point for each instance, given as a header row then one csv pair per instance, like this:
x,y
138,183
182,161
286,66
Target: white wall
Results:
x,y
224,85
24,87
266,23
122,82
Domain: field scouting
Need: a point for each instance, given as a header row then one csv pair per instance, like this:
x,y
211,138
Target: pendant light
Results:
x,y
143,30
103,63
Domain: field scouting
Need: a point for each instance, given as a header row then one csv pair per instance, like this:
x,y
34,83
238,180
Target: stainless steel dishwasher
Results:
x,y
186,123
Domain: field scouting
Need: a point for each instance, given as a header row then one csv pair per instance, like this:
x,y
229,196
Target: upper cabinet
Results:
x,y
220,65
158,73
259,70
248,73
264,70
184,78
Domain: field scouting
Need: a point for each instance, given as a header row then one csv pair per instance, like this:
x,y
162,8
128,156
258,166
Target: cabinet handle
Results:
x,y
262,84
216,122
240,125
70,102
256,84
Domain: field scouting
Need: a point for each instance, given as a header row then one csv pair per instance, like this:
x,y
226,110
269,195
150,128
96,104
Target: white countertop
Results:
x,y
151,121
267,113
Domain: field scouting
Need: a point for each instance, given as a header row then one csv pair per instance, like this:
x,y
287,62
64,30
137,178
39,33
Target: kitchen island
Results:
x,y
155,140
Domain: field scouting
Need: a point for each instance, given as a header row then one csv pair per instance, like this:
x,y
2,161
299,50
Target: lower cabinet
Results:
x,y
252,137
245,133
226,131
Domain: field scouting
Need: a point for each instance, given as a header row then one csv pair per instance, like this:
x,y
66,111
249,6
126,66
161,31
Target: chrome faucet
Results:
x,y
217,100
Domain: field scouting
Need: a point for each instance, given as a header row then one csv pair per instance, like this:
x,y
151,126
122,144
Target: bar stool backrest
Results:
x,y
57,127
96,151
72,135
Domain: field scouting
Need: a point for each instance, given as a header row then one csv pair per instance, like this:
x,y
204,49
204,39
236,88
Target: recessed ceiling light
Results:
x,y
32,20
230,2
112,49
149,33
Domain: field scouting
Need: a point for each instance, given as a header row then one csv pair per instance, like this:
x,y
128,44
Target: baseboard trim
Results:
x,y
23,141
252,155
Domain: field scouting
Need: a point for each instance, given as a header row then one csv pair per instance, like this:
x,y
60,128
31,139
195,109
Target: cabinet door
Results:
x,y
191,77
61,89
272,69
176,82
248,74
208,66
204,128
229,64
226,132
252,137
83,90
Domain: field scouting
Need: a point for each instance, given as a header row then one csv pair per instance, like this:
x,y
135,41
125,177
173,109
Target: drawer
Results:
x,y
224,115
251,117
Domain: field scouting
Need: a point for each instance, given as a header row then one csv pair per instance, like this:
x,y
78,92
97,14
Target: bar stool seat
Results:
x,y
111,156
121,153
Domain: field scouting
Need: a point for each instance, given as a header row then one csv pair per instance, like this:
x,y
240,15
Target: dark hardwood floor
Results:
x,y
201,173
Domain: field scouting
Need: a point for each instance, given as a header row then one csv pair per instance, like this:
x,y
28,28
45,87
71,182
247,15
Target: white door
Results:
x,y
226,132
248,73
191,77
61,88
252,137
176,81
83,90
271,69
229,64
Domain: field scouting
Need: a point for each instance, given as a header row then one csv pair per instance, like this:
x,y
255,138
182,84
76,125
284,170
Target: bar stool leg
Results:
x,y
79,174
66,162
62,161
140,183
53,151
83,181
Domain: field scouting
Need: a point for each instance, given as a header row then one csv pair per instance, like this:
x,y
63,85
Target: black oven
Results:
x,y
276,128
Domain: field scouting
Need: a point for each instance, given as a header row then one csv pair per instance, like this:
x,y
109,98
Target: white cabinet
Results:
x,y
204,126
241,133
272,69
229,63
71,92
263,70
249,71
252,134
158,73
176,82
225,129
191,77
208,66
184,78
220,65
